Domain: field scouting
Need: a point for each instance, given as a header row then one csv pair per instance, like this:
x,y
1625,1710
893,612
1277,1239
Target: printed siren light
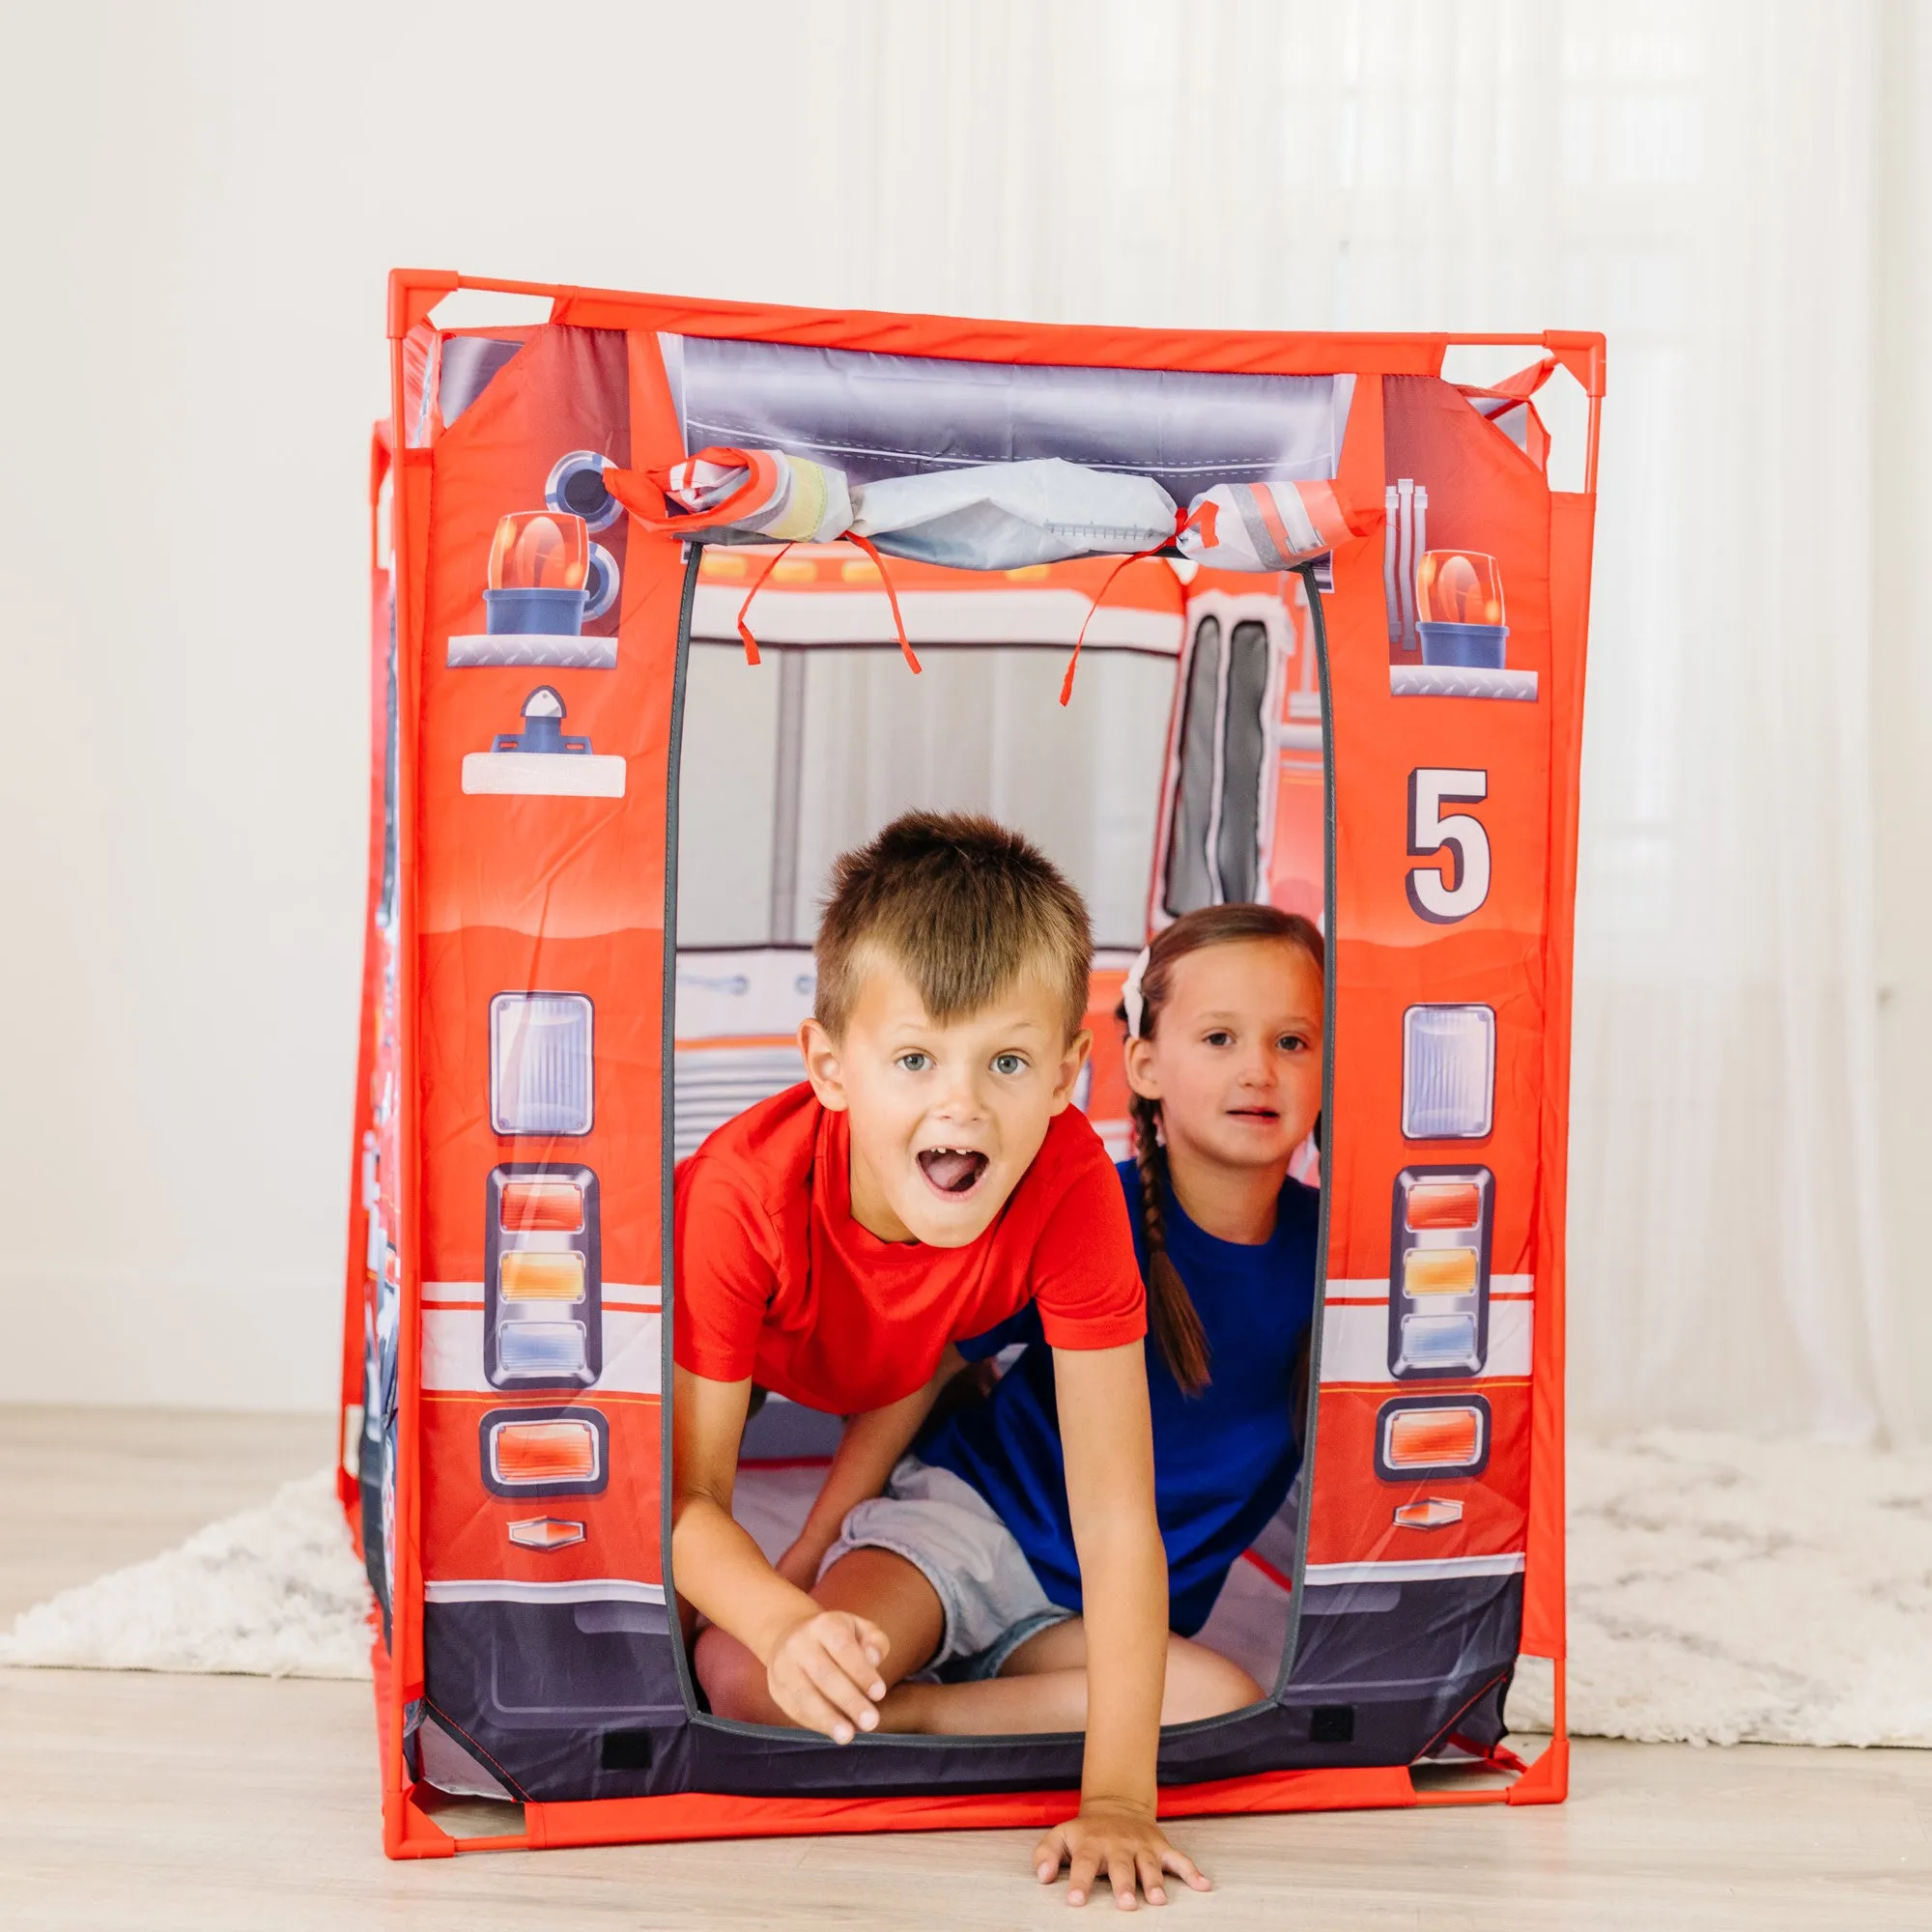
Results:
x,y
1459,608
1459,586
537,551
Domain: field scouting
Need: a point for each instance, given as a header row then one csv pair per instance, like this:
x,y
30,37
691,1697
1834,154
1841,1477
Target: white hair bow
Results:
x,y
1130,994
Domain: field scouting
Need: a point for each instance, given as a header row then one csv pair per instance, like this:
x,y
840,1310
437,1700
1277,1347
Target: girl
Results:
x,y
1224,1017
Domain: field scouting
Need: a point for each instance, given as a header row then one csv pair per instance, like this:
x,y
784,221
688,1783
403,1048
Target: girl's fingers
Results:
x,y
1121,1876
1148,1865
1083,1868
1049,1855
1184,1869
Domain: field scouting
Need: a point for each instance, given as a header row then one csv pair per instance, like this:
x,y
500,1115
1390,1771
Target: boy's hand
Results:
x,y
1124,1843
824,1673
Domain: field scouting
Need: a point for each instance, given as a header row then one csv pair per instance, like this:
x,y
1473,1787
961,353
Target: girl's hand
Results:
x,y
824,1674
1124,1841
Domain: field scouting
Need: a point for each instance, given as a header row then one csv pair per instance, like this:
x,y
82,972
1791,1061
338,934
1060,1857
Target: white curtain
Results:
x,y
1730,191
1737,191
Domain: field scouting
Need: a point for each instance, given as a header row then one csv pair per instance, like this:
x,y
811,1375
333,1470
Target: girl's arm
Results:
x,y
867,1452
1108,1438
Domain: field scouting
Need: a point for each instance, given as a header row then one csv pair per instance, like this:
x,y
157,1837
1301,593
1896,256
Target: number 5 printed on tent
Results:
x,y
1443,900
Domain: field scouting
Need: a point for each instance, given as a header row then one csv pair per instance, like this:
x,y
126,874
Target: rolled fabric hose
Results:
x,y
757,495
1003,516
1268,526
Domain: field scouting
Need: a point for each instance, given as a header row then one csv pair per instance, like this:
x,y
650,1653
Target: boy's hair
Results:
x,y
1171,1311
963,907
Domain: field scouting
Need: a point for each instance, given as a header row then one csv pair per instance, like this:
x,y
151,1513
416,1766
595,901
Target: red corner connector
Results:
x,y
413,293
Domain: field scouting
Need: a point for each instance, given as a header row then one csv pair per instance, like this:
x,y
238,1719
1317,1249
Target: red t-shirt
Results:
x,y
777,1282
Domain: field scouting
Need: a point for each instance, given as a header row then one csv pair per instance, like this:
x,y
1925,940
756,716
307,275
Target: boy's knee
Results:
x,y
733,1680
1202,1683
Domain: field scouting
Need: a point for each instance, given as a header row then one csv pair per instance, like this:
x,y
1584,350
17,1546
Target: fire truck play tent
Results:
x,y
674,600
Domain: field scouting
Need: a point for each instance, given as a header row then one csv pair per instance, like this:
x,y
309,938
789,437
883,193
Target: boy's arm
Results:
x,y
867,1452
821,1665
1108,1438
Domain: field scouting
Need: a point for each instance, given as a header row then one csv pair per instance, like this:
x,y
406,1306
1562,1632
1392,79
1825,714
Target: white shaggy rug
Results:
x,y
1725,1590
1721,1590
273,1591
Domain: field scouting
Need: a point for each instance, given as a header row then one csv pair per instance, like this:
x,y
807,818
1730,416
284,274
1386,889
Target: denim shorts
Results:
x,y
944,1527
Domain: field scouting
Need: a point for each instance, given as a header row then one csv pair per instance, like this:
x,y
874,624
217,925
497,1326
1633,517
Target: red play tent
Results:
x,y
1342,671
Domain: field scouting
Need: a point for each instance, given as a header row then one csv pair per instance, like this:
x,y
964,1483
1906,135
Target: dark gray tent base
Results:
x,y
561,1701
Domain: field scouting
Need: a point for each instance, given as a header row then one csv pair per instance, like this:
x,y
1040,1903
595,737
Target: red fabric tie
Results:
x,y
1182,521
878,563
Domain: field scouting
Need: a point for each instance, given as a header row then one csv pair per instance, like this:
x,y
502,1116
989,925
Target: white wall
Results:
x,y
202,203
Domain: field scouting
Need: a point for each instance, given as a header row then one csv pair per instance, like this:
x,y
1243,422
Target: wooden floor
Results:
x,y
151,1802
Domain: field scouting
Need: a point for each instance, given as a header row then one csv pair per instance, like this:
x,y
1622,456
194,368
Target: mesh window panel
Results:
x,y
1188,884
1242,746
857,739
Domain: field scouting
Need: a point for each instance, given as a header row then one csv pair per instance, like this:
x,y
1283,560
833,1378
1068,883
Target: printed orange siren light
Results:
x,y
1458,597
595,840
539,565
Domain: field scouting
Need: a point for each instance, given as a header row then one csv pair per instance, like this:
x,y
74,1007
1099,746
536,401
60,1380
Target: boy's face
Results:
x,y
945,1119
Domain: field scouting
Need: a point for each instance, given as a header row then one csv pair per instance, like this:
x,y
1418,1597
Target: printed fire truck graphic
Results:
x,y
599,837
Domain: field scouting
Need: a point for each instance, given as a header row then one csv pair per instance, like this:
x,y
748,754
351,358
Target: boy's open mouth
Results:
x,y
952,1170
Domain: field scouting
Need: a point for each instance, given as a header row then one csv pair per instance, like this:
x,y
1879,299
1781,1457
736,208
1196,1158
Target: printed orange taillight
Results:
x,y
544,1452
1438,1271
535,1275
539,550
1435,1438
541,1206
1459,586
1443,1204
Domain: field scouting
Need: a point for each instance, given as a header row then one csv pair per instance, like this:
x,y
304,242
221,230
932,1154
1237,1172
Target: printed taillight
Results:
x,y
1434,1437
1448,1072
540,1208
541,1078
538,549
543,1313
527,1274
1438,1271
1443,1204
545,1452
1439,1235
1442,1344
541,1350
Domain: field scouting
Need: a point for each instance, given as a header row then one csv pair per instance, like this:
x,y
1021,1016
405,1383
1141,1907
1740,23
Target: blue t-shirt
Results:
x,y
1223,1460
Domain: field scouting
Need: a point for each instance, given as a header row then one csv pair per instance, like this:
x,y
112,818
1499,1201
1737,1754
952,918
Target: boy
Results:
x,y
927,1180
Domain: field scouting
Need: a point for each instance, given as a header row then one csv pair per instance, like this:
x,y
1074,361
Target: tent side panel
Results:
x,y
1440,721
399,1151
358,1301
548,646
1544,1633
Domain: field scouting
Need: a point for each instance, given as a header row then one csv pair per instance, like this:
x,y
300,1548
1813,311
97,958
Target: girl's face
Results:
x,y
1236,1059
